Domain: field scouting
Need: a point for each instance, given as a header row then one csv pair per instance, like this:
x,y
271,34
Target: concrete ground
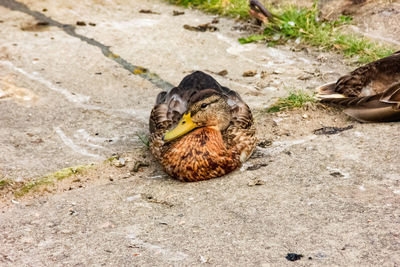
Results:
x,y
74,95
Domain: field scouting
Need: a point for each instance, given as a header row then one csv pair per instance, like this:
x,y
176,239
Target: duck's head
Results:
x,y
206,109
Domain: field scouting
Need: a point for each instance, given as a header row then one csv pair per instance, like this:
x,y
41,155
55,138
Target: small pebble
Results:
x,y
177,13
249,73
42,23
255,182
293,256
223,73
322,58
264,143
336,174
215,21
148,11
139,164
256,166
120,162
320,255
204,259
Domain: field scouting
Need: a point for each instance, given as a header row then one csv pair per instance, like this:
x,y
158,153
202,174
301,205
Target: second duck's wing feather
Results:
x,y
392,95
376,108
378,75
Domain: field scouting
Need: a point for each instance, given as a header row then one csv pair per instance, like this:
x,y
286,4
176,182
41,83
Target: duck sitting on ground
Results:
x,y
370,93
200,129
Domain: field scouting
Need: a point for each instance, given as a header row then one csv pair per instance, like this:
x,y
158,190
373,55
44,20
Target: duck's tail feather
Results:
x,y
367,108
392,95
376,108
384,113
328,91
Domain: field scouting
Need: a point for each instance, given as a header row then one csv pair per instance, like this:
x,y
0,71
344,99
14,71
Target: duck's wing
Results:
x,y
241,113
370,79
240,135
392,95
382,107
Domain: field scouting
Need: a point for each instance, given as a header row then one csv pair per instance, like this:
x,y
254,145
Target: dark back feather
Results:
x,y
379,75
381,107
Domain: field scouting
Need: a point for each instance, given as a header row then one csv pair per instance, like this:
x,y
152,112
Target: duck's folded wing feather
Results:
x,y
377,75
392,95
376,108
158,118
379,113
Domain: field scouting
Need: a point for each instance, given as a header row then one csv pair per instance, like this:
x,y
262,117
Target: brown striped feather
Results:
x,y
370,93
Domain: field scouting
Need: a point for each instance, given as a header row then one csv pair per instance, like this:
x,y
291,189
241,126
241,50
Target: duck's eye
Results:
x,y
204,105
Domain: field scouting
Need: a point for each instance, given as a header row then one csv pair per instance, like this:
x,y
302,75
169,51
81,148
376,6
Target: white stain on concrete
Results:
x,y
168,254
245,166
374,36
69,143
237,49
134,197
8,89
83,134
134,23
77,98
279,146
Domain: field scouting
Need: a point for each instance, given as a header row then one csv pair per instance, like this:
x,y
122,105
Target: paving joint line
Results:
x,y
70,30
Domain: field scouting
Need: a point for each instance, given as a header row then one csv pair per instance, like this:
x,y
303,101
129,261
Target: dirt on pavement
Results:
x,y
65,100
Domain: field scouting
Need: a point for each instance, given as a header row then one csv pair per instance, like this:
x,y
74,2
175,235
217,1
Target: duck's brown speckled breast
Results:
x,y
199,155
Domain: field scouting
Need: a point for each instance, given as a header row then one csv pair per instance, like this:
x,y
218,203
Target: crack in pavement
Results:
x,y
70,30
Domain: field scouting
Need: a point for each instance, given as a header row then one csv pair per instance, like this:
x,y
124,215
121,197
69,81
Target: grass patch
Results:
x,y
234,8
4,183
50,179
144,138
300,24
294,100
304,26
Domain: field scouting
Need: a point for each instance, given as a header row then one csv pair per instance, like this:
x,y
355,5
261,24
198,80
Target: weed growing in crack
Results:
x,y
294,100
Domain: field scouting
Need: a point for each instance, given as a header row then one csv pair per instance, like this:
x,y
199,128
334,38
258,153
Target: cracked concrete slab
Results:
x,y
65,102
79,85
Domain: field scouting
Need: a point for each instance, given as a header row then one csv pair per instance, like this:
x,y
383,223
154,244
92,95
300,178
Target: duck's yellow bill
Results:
x,y
185,125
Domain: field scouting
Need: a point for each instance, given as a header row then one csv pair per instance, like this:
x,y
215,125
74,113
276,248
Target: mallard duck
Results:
x,y
370,93
200,129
